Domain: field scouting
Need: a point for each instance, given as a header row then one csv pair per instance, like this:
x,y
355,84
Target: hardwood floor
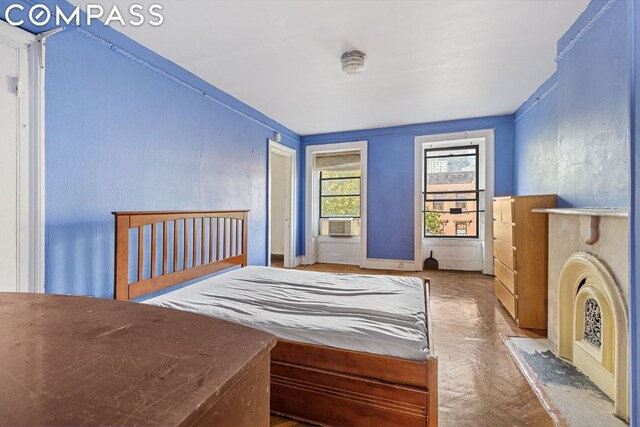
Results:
x,y
277,421
479,384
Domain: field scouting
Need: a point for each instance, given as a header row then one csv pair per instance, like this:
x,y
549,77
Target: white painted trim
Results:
x,y
304,260
311,202
31,202
37,221
24,97
390,264
15,37
444,139
289,237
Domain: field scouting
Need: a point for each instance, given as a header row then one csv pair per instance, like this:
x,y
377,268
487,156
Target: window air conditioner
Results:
x,y
340,226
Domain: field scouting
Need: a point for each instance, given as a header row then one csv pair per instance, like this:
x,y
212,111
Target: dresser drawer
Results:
x,y
506,298
504,232
505,254
507,277
503,209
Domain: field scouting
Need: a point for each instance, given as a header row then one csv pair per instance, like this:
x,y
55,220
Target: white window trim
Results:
x,y
312,203
32,208
291,261
442,140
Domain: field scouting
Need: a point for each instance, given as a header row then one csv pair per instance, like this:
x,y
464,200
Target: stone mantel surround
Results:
x,y
569,231
615,212
591,244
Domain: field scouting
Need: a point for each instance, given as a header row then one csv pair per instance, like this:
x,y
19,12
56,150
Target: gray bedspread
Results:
x,y
383,315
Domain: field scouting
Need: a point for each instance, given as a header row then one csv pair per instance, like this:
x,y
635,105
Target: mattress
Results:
x,y
382,315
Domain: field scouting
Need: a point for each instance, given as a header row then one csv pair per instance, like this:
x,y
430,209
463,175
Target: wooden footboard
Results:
x,y
331,386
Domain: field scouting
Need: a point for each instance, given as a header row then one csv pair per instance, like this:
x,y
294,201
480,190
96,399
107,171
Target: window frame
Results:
x,y
359,195
426,193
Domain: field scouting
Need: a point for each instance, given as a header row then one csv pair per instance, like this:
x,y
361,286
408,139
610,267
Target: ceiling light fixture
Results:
x,y
353,62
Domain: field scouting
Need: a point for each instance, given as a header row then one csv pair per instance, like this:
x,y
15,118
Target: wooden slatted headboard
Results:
x,y
173,247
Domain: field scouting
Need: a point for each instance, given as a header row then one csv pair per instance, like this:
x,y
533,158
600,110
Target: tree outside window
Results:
x,y
340,194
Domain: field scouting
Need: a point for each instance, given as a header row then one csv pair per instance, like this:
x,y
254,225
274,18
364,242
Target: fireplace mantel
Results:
x,y
624,213
594,213
602,236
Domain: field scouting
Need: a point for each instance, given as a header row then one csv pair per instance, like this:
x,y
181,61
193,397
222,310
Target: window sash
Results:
x,y
440,197
334,196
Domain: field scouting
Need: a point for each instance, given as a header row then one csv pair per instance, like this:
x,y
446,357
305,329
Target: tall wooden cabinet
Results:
x,y
520,257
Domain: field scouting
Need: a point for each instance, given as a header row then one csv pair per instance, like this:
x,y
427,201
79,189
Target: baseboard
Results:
x,y
370,263
305,260
390,264
460,265
338,259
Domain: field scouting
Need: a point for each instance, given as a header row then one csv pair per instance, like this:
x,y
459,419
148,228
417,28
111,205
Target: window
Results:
x,y
451,181
461,228
340,194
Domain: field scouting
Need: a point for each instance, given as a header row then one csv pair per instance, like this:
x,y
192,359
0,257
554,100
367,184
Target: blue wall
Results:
x,y
593,109
391,176
574,141
128,130
634,221
535,148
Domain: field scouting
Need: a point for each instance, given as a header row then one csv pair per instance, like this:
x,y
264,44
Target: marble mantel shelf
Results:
x,y
624,213
594,213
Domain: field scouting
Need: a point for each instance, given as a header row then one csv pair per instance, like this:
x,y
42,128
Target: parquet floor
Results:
x,y
479,384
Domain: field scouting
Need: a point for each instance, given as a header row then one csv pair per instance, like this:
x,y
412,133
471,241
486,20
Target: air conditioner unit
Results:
x,y
340,226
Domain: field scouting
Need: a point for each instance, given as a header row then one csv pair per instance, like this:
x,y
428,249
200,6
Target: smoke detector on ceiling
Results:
x,y
353,62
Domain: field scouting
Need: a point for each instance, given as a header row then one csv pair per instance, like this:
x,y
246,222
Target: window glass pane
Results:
x,y
339,174
450,196
451,152
451,174
469,206
433,222
461,229
450,225
340,187
451,185
434,206
341,206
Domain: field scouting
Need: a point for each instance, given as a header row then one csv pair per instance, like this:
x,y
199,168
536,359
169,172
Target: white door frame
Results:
x,y
312,203
290,259
30,93
488,136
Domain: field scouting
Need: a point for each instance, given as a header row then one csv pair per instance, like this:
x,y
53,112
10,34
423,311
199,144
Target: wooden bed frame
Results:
x,y
317,384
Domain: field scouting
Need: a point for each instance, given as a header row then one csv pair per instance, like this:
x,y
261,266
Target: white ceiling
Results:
x,y
428,60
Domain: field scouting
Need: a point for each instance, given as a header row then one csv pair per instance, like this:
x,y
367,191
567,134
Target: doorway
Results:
x,y
281,205
21,255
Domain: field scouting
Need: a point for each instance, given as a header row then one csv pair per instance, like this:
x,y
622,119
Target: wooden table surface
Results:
x,y
67,360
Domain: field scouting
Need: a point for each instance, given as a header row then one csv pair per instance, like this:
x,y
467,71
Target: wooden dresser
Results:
x,y
520,257
70,360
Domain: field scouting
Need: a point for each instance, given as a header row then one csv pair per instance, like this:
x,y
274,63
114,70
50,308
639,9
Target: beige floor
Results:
x,y
479,384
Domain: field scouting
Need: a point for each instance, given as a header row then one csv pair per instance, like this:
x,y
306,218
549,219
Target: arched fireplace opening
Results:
x,y
593,326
